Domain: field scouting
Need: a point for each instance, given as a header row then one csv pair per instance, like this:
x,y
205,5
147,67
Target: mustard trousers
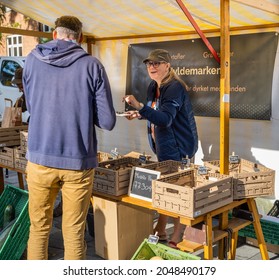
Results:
x,y
44,184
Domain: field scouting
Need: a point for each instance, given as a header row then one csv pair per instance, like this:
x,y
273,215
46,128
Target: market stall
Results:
x,y
109,38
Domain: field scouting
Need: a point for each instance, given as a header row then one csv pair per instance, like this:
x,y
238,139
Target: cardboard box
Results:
x,y
119,228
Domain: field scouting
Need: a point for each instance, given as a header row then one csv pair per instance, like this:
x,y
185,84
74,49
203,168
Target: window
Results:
x,y
14,45
46,28
7,72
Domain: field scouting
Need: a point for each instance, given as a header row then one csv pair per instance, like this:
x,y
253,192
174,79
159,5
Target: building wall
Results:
x,y
17,20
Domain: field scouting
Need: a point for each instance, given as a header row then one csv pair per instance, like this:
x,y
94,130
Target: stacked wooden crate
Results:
x,y
10,140
7,156
249,179
10,137
20,152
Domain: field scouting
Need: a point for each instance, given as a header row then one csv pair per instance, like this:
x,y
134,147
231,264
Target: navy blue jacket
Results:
x,y
67,94
175,127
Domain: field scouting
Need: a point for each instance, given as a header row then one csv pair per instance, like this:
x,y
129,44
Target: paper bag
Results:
x,y
12,115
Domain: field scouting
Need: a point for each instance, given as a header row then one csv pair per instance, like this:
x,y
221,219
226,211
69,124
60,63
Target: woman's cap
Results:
x,y
158,55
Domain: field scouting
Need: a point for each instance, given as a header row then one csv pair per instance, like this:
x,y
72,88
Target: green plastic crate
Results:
x,y
270,231
148,250
16,241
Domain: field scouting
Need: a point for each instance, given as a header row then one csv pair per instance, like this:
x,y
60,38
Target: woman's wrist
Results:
x,y
141,105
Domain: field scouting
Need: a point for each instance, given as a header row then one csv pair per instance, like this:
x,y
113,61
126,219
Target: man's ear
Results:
x,y
54,34
80,38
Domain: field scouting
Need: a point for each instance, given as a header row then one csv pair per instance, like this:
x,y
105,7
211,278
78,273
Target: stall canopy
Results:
x,y
134,18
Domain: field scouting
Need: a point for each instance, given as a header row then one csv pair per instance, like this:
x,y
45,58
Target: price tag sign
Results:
x,y
153,239
202,170
185,162
141,183
233,159
114,153
142,159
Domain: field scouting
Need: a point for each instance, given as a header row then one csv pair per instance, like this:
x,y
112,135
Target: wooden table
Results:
x,y
20,174
224,223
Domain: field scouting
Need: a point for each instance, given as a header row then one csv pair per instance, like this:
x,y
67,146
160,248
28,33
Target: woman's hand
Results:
x,y
132,115
132,101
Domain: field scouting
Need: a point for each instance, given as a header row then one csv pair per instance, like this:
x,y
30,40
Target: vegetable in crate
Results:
x,y
9,214
156,258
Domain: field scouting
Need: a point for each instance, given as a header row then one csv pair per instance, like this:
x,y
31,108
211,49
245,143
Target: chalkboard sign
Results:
x,y
141,182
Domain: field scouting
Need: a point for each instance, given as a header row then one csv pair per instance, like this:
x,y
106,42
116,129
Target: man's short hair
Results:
x,y
69,22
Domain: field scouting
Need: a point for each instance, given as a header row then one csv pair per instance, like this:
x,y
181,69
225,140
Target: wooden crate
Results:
x,y
103,156
113,176
11,136
249,179
165,167
20,161
23,140
191,195
7,156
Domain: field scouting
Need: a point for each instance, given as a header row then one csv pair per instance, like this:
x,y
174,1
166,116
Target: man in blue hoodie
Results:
x,y
67,94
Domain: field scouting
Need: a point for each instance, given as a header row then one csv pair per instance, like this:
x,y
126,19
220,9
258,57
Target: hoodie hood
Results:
x,y
59,53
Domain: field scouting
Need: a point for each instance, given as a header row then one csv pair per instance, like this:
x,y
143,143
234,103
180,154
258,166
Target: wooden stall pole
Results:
x,y
224,86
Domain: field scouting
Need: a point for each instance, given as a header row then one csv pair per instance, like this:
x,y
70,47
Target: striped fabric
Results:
x,y
140,17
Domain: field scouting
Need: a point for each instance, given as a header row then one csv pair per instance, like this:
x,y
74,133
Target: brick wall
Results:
x,y
17,20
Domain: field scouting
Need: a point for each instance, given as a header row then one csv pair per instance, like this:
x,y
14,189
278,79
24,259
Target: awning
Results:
x,y
118,18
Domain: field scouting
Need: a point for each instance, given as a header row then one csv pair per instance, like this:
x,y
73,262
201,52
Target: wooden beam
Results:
x,y
33,33
262,5
224,86
24,32
93,40
185,33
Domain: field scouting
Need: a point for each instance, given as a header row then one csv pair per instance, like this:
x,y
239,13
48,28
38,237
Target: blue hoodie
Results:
x,y
67,94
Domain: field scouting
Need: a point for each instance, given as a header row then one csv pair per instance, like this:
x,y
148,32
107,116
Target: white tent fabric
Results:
x,y
119,18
